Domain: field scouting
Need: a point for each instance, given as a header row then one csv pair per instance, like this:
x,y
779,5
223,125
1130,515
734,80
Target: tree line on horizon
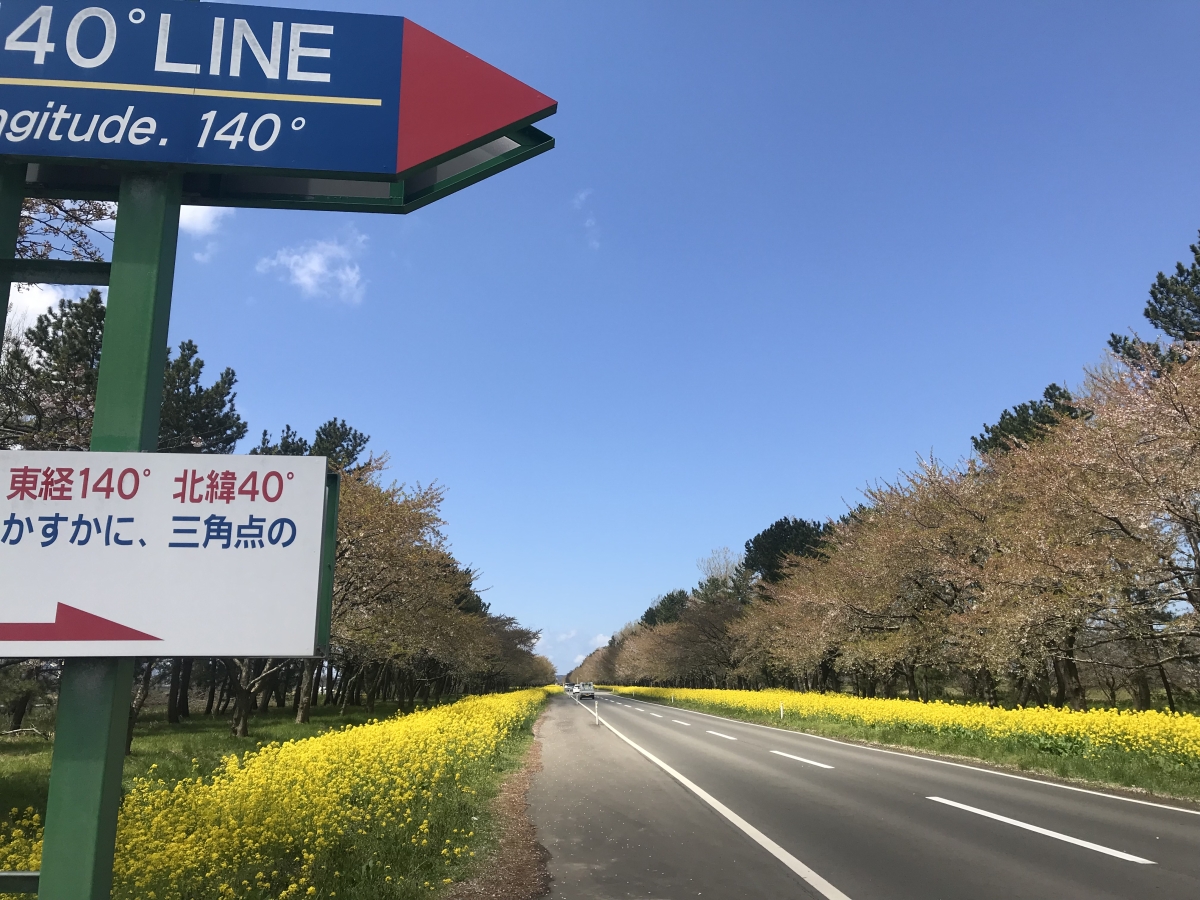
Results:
x,y
1058,565
409,624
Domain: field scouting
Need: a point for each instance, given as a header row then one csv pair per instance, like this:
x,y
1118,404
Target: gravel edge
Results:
x,y
517,868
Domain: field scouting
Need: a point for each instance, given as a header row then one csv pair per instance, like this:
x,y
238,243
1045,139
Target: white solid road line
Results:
x,y
677,722
1047,832
811,762
957,765
815,881
727,737
656,715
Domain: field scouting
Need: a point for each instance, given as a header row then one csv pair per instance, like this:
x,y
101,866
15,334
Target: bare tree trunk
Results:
x,y
139,701
1060,684
1024,688
318,671
212,687
304,693
1141,689
1162,672
281,685
185,687
17,708
333,682
240,726
173,692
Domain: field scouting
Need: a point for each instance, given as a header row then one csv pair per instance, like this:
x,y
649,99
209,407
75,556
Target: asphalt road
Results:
x,y
660,802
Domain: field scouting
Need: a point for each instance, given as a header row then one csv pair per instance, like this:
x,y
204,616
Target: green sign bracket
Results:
x,y
333,488
314,191
54,271
12,195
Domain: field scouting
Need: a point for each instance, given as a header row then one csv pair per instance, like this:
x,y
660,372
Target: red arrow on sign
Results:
x,y
71,624
449,99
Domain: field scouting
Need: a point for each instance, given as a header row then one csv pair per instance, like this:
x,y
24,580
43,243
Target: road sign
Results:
x,y
218,86
154,105
134,554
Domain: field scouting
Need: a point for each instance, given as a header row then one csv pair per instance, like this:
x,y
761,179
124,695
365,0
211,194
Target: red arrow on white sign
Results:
x,y
71,624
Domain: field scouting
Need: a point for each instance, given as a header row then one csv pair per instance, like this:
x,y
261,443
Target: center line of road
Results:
x,y
815,881
677,722
656,715
811,762
1047,832
727,737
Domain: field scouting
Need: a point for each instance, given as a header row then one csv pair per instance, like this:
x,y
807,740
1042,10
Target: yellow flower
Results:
x,y
298,808
1173,738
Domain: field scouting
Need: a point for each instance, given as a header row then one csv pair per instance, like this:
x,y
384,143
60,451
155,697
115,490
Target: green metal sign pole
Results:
x,y
93,704
12,194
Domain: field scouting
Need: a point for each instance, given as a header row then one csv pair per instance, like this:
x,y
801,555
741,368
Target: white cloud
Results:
x,y
567,635
205,255
580,658
32,300
322,268
599,641
591,229
201,221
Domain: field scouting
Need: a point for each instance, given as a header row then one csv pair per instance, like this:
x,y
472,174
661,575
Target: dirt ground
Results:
x,y
517,869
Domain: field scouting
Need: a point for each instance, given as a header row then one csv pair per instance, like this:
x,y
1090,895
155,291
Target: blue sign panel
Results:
x,y
200,84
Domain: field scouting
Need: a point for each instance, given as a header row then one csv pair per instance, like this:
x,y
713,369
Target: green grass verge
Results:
x,y
1116,770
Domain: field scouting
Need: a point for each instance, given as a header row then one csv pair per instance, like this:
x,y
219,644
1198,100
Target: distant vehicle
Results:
x,y
574,689
587,691
567,686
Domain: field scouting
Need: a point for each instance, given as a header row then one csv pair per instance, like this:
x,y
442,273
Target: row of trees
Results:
x,y
409,624
1058,565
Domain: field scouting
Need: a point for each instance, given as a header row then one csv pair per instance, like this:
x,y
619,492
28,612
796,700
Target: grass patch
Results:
x,y
1128,770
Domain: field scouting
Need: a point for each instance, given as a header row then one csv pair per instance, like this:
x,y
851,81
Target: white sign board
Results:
x,y
159,554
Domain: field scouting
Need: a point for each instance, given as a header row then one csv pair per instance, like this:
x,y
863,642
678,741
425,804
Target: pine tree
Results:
x,y
48,388
197,419
335,440
766,551
1174,309
1028,422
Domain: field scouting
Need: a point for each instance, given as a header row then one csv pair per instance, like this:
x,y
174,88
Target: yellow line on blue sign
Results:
x,y
191,92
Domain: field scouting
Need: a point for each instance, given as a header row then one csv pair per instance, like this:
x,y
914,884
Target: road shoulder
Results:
x,y
516,867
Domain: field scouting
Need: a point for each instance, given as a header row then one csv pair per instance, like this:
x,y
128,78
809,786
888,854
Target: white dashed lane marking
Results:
x,y
1045,831
811,762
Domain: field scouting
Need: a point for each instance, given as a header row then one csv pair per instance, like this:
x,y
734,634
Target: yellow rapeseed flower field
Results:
x,y
1169,739
384,809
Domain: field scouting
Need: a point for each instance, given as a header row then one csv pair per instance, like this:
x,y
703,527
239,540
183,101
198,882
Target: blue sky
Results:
x,y
779,250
